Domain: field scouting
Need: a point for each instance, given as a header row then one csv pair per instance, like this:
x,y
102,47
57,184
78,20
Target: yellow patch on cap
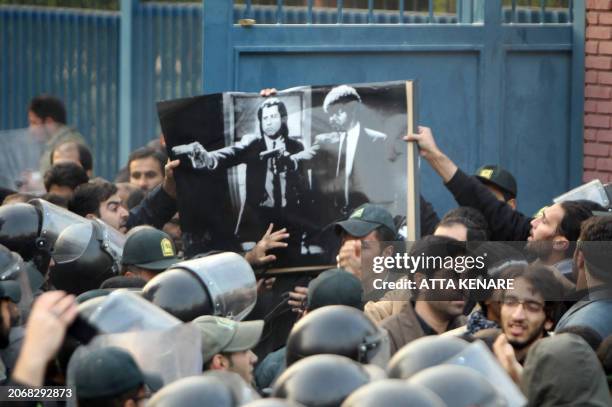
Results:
x,y
166,247
357,214
487,173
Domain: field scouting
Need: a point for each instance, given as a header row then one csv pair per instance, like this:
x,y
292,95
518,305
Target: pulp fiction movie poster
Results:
x,y
302,158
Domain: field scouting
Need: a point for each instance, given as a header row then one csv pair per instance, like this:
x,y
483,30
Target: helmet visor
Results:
x,y
72,243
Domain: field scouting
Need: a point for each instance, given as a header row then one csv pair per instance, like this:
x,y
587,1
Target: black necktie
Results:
x,y
276,183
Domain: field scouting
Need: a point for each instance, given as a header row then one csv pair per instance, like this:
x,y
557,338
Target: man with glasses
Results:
x,y
530,310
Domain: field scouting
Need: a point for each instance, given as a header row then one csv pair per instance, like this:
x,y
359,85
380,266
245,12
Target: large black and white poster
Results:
x,y
301,159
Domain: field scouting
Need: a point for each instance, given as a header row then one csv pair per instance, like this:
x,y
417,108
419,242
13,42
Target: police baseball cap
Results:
x,y
10,289
365,219
108,372
150,249
335,287
224,335
499,177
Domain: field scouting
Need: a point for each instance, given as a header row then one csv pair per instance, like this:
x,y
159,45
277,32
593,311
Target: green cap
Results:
x,y
365,219
10,289
224,335
150,249
109,372
335,287
499,177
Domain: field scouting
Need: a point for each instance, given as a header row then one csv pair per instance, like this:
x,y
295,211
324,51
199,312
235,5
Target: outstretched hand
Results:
x,y
169,183
426,142
270,240
430,151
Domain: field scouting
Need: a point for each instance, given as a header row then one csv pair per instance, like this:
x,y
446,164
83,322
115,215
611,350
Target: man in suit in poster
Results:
x,y
274,181
350,167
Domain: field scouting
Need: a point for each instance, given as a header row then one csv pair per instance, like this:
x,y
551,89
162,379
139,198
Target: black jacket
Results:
x,y
505,223
156,209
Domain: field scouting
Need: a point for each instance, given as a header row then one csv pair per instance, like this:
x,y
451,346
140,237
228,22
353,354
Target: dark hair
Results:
x,y
474,221
123,282
112,401
597,256
282,109
45,106
587,333
65,174
88,197
85,157
544,282
56,200
574,213
146,152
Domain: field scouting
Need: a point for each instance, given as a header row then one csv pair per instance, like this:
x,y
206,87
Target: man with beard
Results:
x,y
100,199
430,311
593,259
528,312
554,233
10,295
560,221
551,235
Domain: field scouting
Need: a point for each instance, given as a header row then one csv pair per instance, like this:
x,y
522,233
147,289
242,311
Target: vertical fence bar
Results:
x,y
370,11
249,9
570,10
431,12
401,11
279,11
339,11
542,11
309,15
97,63
577,95
125,79
514,11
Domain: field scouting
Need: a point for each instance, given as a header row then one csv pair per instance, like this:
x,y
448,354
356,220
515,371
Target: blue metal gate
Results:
x,y
496,84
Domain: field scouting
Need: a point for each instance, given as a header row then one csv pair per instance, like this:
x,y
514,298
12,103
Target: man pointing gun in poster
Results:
x,y
275,184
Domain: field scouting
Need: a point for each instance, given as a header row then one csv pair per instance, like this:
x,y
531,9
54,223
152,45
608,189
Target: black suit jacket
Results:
x,y
246,151
368,181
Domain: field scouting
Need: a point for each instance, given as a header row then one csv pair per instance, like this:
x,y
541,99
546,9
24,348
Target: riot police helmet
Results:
x,y
195,391
392,393
422,353
459,386
85,254
320,380
338,330
19,228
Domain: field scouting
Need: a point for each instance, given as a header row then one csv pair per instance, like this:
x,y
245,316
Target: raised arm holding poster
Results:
x,y
302,159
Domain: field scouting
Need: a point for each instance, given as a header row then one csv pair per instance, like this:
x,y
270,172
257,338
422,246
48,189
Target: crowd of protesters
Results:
x,y
545,342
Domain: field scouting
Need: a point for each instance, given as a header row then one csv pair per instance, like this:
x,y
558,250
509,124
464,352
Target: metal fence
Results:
x,y
110,67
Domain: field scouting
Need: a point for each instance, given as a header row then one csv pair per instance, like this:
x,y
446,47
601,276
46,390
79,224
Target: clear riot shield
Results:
x,y
170,354
230,281
478,357
123,311
20,160
55,220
